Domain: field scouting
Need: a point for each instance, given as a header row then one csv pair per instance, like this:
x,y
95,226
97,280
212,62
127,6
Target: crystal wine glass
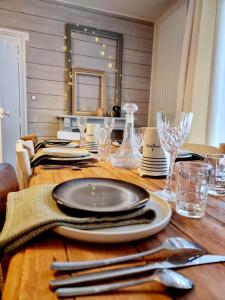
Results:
x,y
81,123
109,125
173,128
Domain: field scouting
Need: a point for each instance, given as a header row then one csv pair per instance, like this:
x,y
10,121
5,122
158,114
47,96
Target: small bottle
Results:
x,y
128,155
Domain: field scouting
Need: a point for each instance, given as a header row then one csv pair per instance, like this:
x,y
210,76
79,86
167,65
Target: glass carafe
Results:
x,y
128,155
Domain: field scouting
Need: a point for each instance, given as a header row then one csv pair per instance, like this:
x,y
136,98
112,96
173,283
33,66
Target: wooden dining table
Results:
x,y
29,271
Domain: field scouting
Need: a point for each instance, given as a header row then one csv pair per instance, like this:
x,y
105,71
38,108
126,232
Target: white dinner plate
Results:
x,y
124,233
184,154
89,156
65,152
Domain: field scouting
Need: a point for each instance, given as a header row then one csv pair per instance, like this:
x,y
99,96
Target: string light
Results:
x,y
103,45
110,65
97,39
102,53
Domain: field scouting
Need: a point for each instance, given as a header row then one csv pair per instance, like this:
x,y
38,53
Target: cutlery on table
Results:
x,y
176,245
166,277
71,167
122,272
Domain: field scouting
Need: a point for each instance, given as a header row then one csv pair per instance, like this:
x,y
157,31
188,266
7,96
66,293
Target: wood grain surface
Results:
x,y
29,271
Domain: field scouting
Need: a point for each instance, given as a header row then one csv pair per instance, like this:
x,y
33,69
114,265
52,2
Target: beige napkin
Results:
x,y
32,211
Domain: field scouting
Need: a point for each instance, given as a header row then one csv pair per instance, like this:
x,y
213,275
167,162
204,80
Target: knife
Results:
x,y
120,272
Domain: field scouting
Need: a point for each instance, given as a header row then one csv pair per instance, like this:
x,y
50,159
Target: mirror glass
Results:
x,y
98,50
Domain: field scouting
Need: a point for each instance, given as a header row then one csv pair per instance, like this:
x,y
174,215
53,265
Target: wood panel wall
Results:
x,y
45,23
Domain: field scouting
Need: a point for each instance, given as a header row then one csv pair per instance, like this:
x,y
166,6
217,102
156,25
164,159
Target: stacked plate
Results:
x,y
91,146
152,166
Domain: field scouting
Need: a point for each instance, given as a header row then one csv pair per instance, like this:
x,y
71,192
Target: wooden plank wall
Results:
x,y
45,23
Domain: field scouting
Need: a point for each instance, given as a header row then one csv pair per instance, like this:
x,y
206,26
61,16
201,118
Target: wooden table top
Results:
x,y
29,271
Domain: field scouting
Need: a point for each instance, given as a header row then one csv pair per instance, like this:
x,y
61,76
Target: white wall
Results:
x,y
167,49
45,23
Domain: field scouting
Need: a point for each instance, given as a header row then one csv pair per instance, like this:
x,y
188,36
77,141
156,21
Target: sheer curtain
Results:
x,y
216,116
193,92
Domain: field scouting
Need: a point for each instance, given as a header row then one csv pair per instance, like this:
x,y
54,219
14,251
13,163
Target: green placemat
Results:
x,y
32,211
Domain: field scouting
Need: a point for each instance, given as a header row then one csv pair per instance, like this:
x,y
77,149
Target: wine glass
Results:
x,y
173,128
81,123
139,137
109,125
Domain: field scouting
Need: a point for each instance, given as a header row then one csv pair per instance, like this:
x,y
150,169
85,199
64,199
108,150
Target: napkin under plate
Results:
x,y
33,211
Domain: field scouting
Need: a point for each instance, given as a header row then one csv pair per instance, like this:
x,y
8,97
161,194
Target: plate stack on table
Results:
x,y
59,155
91,147
113,210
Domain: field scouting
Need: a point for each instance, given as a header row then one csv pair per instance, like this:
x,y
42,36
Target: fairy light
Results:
x,y
103,46
102,53
97,39
110,65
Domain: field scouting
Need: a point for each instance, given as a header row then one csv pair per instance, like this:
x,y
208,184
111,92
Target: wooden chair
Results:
x,y
222,148
201,149
30,137
24,170
8,183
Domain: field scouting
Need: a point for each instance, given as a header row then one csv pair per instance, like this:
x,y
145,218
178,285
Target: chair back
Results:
x,y
201,148
24,170
30,137
8,183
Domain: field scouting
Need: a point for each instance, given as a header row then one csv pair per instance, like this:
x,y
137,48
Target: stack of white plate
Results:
x,y
91,146
153,166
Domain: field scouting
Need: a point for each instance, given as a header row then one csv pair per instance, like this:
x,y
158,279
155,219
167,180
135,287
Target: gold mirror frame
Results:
x,y
97,73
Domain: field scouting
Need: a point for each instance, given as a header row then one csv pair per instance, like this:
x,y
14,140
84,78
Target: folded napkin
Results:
x,y
33,211
42,157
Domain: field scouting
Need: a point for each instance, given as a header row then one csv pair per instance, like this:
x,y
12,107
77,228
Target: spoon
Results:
x,y
166,277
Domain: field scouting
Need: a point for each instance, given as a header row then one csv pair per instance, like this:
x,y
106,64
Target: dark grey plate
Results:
x,y
58,141
100,195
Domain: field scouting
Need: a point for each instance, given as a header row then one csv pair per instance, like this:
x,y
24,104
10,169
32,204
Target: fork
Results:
x,y
176,245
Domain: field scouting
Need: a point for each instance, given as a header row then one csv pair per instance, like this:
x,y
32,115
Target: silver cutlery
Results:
x,y
121,272
71,167
166,277
175,245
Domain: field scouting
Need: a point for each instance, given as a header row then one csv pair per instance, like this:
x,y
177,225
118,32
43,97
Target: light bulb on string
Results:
x,y
102,53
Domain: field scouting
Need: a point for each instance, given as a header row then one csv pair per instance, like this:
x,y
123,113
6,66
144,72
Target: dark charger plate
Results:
x,y
99,195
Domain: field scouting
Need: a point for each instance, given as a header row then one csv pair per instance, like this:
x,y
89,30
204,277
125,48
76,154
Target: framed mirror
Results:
x,y
93,49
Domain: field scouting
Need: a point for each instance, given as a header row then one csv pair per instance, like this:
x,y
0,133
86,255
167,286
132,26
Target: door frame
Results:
x,y
20,37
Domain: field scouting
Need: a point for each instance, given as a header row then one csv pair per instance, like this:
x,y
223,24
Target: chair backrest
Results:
x,y
201,148
8,183
24,170
222,148
68,135
30,147
31,137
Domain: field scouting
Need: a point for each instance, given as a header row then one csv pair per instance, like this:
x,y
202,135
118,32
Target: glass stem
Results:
x,y
82,139
169,179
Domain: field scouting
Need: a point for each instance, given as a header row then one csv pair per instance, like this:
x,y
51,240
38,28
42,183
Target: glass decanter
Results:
x,y
128,155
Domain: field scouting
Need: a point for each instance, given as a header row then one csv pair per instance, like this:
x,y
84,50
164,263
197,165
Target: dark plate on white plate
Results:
x,y
58,141
100,195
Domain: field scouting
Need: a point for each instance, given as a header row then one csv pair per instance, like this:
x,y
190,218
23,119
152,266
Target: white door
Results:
x,y
10,117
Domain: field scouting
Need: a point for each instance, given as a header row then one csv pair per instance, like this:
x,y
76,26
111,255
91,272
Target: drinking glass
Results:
x,y
81,123
173,128
217,178
192,180
104,143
